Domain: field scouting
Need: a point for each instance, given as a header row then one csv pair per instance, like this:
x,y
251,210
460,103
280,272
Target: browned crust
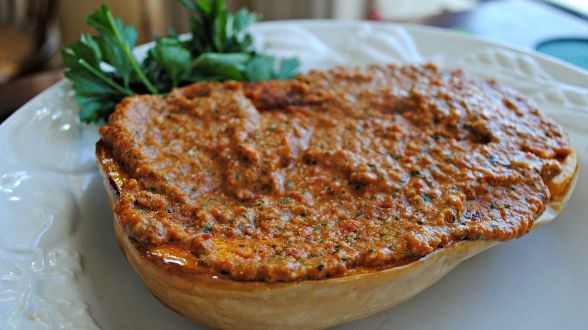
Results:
x,y
225,303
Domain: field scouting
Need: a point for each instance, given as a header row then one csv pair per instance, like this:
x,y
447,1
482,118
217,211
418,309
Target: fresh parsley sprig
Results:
x,y
103,69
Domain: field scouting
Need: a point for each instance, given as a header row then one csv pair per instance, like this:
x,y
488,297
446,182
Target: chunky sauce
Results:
x,y
330,172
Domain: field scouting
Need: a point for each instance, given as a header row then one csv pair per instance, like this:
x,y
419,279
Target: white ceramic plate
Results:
x,y
60,266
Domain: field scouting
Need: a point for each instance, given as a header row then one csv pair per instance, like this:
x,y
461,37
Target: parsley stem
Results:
x,y
104,78
130,55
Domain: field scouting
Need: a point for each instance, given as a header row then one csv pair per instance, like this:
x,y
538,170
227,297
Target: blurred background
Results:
x,y
33,31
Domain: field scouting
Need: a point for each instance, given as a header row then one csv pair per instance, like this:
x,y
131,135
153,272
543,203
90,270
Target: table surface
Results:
x,y
524,23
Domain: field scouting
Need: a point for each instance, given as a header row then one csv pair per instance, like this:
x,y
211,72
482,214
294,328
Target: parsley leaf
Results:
x,y
288,68
214,29
260,68
116,43
173,58
222,66
103,69
97,92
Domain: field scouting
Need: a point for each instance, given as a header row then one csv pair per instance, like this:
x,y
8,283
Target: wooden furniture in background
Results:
x,y
28,35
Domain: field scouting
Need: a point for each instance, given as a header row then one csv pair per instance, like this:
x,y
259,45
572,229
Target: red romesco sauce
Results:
x,y
330,172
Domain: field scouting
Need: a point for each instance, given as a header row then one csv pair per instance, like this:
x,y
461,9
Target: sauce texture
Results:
x,y
331,172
